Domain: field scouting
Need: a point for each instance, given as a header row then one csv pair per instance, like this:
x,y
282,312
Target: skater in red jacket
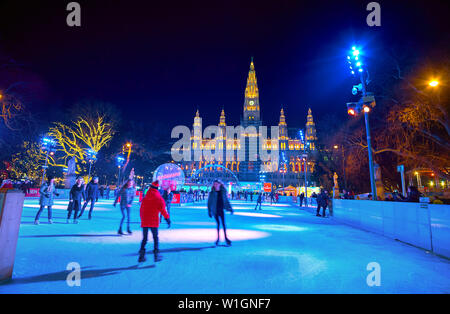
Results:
x,y
152,206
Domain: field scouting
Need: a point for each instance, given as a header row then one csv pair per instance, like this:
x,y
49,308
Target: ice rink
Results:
x,y
280,249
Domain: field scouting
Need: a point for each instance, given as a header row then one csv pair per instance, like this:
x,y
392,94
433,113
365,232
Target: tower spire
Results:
x,y
251,90
222,118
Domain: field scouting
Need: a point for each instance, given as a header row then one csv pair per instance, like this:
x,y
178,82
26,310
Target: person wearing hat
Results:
x,y
151,207
47,193
217,203
92,193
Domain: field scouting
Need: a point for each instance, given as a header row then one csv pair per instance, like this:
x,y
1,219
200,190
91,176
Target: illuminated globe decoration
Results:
x,y
169,175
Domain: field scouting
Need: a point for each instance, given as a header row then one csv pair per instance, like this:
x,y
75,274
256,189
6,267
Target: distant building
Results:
x,y
251,169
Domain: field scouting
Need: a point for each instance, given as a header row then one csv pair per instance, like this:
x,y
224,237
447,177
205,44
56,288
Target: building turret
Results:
x,y
310,129
283,135
251,104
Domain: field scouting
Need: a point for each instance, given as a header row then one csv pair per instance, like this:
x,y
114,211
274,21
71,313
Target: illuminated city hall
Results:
x,y
293,151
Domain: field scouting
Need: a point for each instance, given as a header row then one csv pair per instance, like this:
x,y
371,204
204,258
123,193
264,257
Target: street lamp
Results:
x,y
364,105
91,157
120,160
48,145
433,83
304,159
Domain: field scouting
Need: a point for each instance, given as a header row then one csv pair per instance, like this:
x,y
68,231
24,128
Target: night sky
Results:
x,y
160,61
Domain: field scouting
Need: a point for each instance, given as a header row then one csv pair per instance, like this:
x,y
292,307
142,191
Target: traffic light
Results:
x,y
364,105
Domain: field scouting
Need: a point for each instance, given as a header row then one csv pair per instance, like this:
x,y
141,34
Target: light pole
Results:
x,y
48,144
120,161
305,164
365,104
91,157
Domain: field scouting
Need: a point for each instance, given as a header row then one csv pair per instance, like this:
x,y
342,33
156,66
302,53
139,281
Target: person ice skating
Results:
x,y
217,203
152,206
322,201
258,201
107,191
167,197
76,195
302,197
47,192
92,193
126,195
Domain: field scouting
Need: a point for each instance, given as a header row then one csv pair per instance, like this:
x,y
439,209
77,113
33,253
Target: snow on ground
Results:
x,y
280,249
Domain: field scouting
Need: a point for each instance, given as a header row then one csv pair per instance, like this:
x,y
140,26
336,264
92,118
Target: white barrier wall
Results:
x,y
423,225
440,229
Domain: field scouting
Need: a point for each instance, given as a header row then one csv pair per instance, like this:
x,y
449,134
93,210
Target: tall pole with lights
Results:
x,y
120,161
48,144
365,104
91,157
304,159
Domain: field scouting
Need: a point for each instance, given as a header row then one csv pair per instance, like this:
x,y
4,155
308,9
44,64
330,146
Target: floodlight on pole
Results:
x,y
364,105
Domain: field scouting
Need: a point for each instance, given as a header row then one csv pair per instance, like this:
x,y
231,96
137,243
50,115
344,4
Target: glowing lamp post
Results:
x,y
365,105
433,83
91,158
120,160
48,145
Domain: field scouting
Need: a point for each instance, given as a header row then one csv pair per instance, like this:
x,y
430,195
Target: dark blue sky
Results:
x,y
160,61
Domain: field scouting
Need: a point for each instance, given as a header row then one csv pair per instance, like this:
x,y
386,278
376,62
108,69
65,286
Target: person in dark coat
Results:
x,y
302,197
152,206
76,196
47,192
322,201
107,191
217,203
126,195
92,193
259,201
413,194
168,196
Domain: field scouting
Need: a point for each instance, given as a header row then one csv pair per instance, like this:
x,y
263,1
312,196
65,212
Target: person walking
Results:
x,y
92,193
47,194
76,195
302,197
322,201
259,201
107,191
217,203
167,197
151,207
126,195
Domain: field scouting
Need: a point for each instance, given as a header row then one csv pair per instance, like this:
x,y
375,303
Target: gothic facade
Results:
x,y
245,163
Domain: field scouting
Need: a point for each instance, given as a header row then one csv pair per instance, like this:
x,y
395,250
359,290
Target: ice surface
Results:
x,y
280,249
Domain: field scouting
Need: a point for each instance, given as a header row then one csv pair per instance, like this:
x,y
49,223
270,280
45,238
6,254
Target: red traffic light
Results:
x,y
351,111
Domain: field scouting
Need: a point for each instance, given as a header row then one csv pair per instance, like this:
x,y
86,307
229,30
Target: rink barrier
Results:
x,y
11,206
420,224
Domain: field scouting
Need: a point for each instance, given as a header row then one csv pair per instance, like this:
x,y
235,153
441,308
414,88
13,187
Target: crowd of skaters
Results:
x,y
156,204
154,207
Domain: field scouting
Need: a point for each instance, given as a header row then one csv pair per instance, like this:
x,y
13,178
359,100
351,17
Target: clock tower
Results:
x,y
252,115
